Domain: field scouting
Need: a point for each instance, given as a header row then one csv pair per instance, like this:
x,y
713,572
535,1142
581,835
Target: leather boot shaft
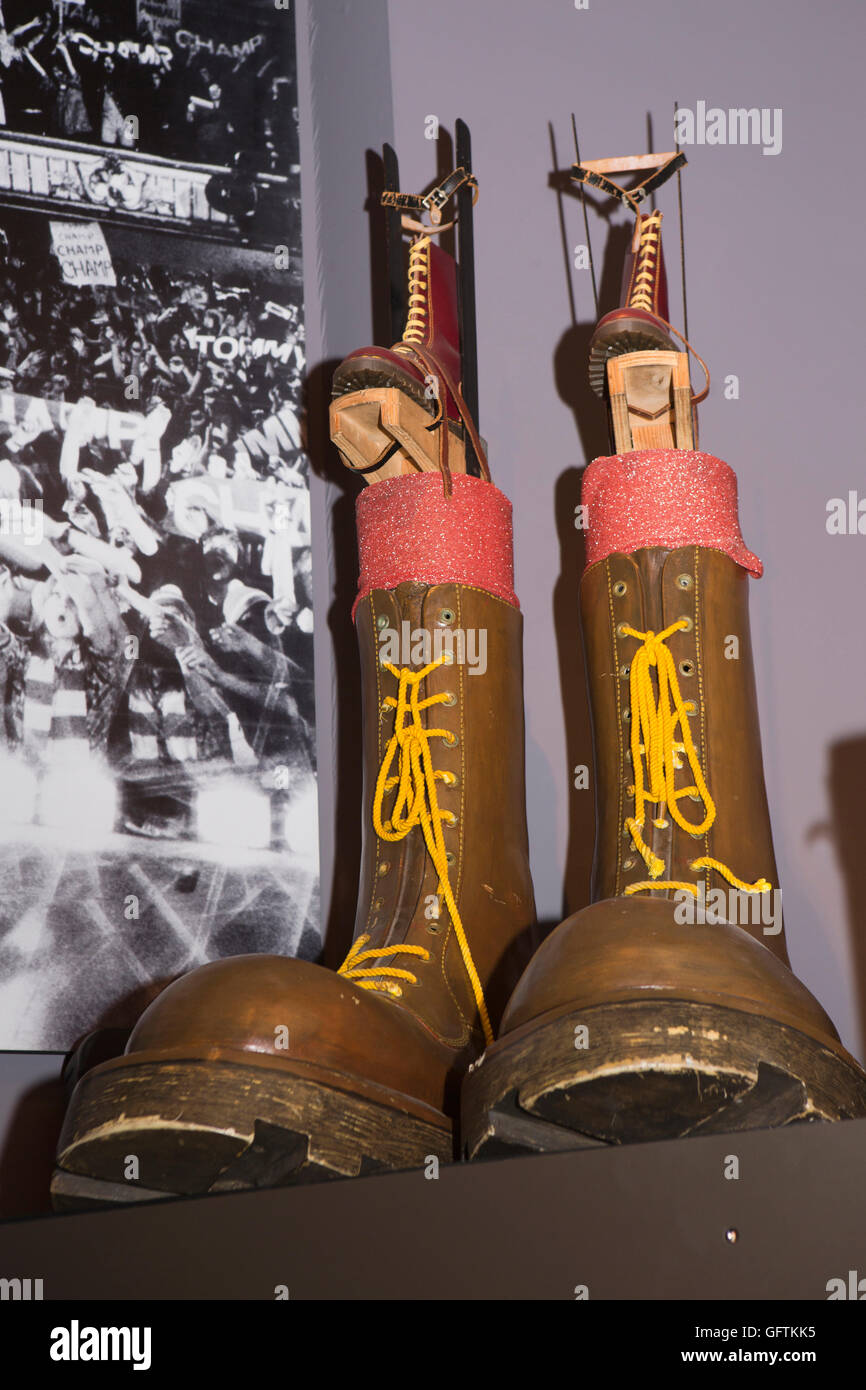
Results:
x,y
644,279
478,762
649,591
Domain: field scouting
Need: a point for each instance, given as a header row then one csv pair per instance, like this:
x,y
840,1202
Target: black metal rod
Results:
x,y
466,279
394,247
682,233
585,217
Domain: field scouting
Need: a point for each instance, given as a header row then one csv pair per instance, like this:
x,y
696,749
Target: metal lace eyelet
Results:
x,y
626,716
689,624
451,779
432,929
625,671
620,588
446,617
382,620
621,630
628,863
684,581
687,668
450,858
452,740
451,820
383,869
449,699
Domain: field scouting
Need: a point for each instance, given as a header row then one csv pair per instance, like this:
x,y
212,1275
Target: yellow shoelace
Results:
x,y
416,804
411,346
654,724
419,275
642,294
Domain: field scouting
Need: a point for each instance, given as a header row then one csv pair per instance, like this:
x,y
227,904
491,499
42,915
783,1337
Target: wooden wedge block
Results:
x,y
650,401
367,425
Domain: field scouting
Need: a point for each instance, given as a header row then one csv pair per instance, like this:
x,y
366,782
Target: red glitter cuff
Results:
x,y
663,497
408,530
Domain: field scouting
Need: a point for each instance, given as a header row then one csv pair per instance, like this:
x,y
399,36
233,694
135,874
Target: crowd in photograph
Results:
x,y
158,617
205,90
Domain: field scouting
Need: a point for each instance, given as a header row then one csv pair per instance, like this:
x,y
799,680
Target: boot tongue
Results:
x,y
663,497
408,530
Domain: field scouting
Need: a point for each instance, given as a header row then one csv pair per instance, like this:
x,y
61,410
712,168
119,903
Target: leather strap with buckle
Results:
x,y
434,201
630,197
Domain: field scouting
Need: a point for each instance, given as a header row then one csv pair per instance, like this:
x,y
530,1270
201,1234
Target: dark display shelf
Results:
x,y
650,1221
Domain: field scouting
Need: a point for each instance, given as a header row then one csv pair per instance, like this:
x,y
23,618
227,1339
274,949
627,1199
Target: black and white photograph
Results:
x,y
199,81
157,752
175,111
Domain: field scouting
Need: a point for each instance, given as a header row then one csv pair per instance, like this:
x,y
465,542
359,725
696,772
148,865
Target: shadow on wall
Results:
x,y
845,783
571,375
34,1129
573,691
343,488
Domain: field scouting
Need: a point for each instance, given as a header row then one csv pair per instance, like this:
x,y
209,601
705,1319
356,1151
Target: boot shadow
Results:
x,y
34,1130
571,376
575,700
845,781
342,489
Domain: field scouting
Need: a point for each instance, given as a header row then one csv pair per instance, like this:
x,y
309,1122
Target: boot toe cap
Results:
x,y
625,949
282,1011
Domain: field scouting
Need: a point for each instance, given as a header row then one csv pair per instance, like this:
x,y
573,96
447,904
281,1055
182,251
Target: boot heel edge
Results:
x,y
205,1126
652,1070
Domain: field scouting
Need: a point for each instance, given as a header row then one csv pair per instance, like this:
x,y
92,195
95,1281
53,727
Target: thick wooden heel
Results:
x,y
140,1130
630,1072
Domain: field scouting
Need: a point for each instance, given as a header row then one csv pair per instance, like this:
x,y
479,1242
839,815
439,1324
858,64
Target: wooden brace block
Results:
x,y
651,403
365,425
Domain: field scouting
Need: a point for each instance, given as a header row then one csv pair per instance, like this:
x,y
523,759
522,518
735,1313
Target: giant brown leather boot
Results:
x,y
668,1007
261,1070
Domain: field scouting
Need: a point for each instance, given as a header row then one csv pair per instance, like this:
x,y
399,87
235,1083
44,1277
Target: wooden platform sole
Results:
x,y
145,1130
614,342
381,432
365,373
630,1072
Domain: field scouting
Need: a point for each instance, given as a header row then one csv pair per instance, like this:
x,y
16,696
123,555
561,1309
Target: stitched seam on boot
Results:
x,y
467,1024
379,754
704,749
475,589
619,816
